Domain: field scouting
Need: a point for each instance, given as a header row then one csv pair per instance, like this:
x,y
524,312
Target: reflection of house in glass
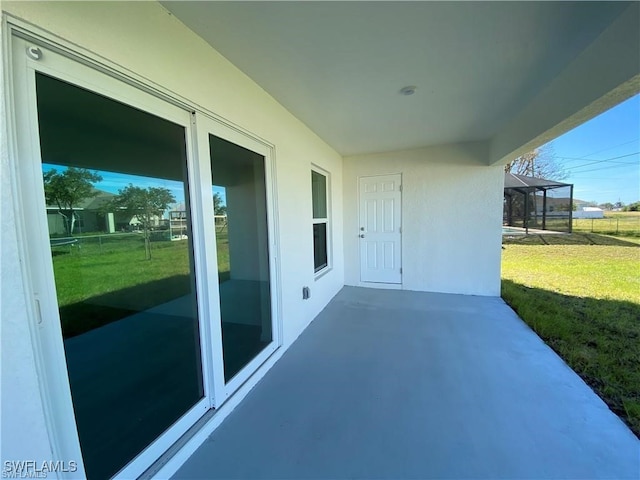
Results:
x,y
92,215
178,224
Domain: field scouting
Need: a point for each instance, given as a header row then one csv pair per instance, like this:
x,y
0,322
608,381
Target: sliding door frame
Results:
x,y
65,62
207,125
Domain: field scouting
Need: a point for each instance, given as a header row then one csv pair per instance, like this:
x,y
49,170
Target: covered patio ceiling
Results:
x,y
508,73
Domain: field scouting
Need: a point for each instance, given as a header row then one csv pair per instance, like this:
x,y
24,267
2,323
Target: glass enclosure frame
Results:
x,y
87,73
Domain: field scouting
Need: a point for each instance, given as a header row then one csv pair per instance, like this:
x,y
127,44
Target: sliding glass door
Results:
x,y
239,192
237,195
114,179
149,240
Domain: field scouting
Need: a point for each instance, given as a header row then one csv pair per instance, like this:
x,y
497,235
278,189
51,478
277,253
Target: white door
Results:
x,y
380,229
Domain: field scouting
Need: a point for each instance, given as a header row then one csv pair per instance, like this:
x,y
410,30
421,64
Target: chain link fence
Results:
x,y
106,243
622,225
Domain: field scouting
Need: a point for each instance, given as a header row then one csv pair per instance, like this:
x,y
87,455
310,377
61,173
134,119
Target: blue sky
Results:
x,y
113,182
602,156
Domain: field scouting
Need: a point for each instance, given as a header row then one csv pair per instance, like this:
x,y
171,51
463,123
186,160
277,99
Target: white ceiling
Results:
x,y
339,66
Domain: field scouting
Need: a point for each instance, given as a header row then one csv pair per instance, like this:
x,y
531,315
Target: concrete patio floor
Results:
x,y
397,384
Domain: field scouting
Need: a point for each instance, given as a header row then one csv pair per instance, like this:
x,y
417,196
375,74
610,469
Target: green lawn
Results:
x,y
104,278
581,294
222,246
91,270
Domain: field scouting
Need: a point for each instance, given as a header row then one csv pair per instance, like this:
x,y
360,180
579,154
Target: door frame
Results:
x,y
206,126
363,283
87,70
49,332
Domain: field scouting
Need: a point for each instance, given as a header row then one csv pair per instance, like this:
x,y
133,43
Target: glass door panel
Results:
x,y
240,205
119,220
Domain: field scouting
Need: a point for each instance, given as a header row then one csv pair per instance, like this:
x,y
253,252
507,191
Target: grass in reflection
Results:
x,y
104,278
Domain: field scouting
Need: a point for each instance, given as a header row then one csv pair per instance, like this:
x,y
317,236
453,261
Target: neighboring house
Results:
x,y
334,175
589,212
557,204
580,204
90,216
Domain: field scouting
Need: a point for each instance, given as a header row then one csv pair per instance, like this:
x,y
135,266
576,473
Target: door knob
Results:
x,y
361,235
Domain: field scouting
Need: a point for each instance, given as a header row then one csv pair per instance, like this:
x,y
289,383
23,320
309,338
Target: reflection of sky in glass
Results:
x,y
112,182
220,191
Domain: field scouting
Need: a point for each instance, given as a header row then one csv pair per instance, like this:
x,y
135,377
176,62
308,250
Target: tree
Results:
x,y
219,208
67,189
540,163
146,204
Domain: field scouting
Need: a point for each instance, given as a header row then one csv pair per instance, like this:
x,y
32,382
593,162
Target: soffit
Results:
x,y
339,66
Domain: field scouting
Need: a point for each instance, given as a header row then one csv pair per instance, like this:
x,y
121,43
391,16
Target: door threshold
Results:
x,y
156,466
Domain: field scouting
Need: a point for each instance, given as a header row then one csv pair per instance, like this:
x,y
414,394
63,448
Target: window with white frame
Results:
x,y
319,189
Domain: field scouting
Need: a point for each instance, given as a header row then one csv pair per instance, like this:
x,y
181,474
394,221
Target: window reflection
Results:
x,y
238,176
120,234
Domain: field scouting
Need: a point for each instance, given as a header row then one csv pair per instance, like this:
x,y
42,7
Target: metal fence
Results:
x,y
623,225
103,243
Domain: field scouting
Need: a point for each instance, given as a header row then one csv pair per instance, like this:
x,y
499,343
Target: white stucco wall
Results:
x,y
22,420
451,213
144,38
